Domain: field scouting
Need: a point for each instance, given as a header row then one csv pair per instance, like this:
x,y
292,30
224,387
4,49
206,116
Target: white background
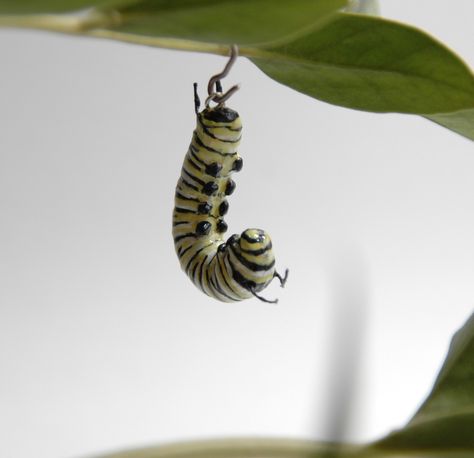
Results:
x,y
105,344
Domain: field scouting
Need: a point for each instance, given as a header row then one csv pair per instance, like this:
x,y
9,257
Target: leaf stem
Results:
x,y
94,23
78,23
248,448
161,42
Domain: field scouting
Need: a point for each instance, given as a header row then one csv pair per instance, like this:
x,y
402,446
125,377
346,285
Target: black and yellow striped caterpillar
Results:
x,y
244,265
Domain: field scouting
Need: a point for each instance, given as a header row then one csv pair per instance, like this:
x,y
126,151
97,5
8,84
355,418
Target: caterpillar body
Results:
x,y
244,265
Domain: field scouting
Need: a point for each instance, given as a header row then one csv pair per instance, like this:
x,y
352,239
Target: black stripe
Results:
x,y
233,129
192,199
239,278
181,237
194,256
202,145
208,148
195,268
183,210
196,179
257,252
201,271
194,150
225,279
258,240
249,285
189,185
220,290
183,252
251,265
194,155
197,158
180,223
193,164
210,134
206,272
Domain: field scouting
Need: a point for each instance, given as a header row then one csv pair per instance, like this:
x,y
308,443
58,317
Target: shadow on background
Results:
x,y
348,281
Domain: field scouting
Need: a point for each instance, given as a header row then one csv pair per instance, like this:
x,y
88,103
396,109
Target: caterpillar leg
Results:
x,y
268,301
282,279
282,284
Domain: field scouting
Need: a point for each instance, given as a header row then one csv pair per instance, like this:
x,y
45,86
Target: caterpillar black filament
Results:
x,y
244,265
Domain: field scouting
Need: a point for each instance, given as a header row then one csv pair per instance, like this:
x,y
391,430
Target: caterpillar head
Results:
x,y
221,122
219,114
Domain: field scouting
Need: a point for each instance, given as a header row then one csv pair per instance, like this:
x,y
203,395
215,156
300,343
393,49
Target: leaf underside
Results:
x,y
239,22
352,60
372,64
52,6
355,61
461,122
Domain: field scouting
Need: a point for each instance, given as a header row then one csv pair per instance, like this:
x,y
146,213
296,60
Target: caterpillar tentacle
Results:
x,y
282,279
244,265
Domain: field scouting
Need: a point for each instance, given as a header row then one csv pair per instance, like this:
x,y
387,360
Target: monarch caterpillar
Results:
x,y
244,265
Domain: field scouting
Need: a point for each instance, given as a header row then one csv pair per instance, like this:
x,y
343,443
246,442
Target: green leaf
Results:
x,y
372,64
242,448
52,6
455,431
445,421
224,21
461,122
351,60
453,390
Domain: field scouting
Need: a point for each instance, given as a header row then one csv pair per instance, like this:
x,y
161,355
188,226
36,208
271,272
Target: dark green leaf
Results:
x,y
372,64
52,6
453,390
224,21
455,431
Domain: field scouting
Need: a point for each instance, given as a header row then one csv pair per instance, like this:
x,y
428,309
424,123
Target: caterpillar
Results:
x,y
243,265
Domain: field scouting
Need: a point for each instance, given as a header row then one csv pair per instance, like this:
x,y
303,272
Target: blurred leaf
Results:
x,y
445,421
276,448
224,21
455,431
363,7
442,428
239,448
53,6
372,64
453,390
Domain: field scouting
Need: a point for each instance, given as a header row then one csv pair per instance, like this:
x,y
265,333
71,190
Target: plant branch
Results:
x,y
95,24
161,42
63,23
